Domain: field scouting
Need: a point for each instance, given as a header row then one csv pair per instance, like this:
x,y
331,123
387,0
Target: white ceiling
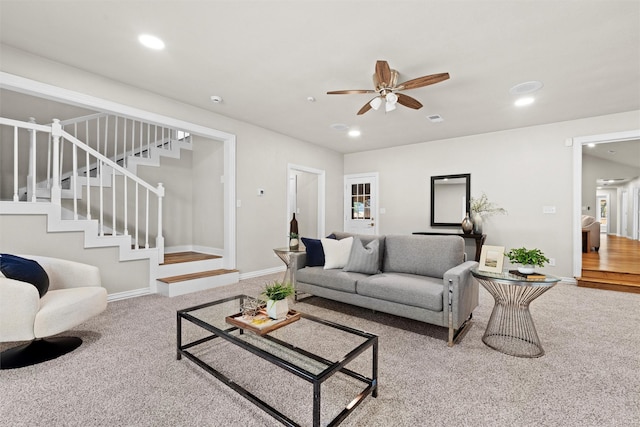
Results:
x,y
264,58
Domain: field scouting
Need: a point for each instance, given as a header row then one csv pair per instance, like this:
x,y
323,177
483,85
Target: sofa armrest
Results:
x,y
298,260
461,294
19,303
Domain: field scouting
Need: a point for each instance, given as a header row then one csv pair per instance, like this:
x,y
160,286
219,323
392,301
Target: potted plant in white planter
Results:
x,y
528,258
276,294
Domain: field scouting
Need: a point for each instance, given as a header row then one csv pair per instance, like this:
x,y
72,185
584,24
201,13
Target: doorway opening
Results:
x,y
306,198
578,144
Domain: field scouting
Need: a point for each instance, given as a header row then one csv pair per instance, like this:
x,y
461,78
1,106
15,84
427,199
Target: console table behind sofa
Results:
x,y
479,238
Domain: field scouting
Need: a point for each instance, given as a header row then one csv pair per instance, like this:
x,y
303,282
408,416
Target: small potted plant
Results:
x,y
293,241
276,294
528,258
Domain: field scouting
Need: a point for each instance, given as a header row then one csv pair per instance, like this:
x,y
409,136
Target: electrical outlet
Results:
x,y
552,262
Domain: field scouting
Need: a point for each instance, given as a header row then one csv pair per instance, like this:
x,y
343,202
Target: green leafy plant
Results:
x,y
484,207
526,256
278,290
293,235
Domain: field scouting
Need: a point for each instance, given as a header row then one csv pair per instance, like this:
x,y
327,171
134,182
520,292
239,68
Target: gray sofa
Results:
x,y
421,277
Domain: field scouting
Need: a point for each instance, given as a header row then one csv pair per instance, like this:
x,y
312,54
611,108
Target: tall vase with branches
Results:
x,y
482,208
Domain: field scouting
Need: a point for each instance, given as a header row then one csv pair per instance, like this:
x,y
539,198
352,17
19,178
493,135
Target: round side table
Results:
x,y
510,329
285,255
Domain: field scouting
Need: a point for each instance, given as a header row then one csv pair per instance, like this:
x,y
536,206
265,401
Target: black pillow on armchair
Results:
x,y
25,270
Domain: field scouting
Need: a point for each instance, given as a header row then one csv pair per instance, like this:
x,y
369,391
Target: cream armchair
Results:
x,y
592,226
75,295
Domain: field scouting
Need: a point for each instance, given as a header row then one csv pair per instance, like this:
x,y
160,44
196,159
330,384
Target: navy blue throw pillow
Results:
x,y
315,253
25,270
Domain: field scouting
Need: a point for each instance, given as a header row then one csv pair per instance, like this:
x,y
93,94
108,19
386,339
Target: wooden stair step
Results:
x,y
610,285
192,276
177,257
611,276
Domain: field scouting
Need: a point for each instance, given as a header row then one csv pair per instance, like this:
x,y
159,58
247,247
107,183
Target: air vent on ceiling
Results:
x,y
435,118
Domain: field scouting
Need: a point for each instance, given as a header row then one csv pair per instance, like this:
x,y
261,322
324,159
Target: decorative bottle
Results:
x,y
467,225
293,233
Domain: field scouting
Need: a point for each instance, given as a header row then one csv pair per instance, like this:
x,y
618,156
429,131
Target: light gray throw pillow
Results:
x,y
364,259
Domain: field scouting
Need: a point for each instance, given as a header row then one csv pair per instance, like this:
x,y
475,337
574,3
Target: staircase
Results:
x,y
83,174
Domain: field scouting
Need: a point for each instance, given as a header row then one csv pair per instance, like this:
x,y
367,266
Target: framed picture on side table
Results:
x,y
491,259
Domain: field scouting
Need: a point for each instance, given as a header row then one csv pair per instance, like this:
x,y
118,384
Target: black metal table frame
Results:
x,y
316,380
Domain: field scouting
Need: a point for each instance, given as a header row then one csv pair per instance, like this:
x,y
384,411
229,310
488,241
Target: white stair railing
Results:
x,y
119,137
106,171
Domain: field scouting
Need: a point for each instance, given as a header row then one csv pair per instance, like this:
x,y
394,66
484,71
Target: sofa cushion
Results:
x,y
364,259
331,279
422,255
315,253
336,252
408,289
25,270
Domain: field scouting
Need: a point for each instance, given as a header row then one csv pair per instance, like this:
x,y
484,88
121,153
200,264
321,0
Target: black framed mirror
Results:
x,y
450,199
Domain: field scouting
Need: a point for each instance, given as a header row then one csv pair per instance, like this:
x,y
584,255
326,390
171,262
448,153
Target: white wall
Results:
x,y
26,234
520,170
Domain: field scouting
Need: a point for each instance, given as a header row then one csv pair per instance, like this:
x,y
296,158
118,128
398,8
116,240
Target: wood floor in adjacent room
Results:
x,y
616,266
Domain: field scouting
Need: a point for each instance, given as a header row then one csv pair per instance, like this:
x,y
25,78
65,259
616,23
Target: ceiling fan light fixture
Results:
x,y
389,106
392,98
376,103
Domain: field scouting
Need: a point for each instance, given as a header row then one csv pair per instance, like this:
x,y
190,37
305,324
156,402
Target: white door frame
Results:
x,y
578,143
321,195
636,213
624,214
375,195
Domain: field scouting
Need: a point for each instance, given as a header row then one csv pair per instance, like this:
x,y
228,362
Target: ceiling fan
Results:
x,y
385,81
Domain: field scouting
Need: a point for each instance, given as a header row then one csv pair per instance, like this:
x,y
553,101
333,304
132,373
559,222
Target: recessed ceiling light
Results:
x,y
521,102
216,99
311,99
354,133
591,145
152,42
526,87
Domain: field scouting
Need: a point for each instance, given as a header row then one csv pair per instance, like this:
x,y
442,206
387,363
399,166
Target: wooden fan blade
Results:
x,y
408,101
366,107
343,92
383,73
423,81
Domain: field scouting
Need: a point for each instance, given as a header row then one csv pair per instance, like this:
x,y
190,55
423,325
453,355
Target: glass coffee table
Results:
x,y
309,347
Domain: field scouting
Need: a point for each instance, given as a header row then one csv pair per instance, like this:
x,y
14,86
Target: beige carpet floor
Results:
x,y
126,372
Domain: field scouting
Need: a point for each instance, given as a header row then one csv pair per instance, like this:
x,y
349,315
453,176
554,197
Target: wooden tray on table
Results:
x,y
261,324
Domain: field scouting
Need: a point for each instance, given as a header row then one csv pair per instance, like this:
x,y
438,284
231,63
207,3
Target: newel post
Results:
x,y
160,237
56,133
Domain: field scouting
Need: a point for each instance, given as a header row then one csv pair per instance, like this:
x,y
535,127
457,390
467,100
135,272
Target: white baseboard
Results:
x,y
264,272
128,294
